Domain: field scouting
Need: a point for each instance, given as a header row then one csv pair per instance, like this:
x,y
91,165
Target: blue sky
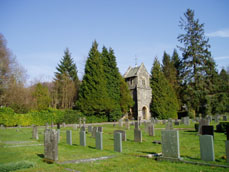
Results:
x,y
38,32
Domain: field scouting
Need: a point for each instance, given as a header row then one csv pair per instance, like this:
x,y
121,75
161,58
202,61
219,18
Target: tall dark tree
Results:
x,y
66,82
93,96
164,102
195,63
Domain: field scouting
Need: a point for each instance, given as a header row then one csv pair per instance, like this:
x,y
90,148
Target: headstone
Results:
x,y
151,130
64,124
80,122
69,137
118,142
120,123
136,125
90,129
74,126
202,122
227,132
100,129
207,148
99,140
227,150
52,124
208,130
170,120
224,118
46,126
83,138
82,128
35,133
216,119
169,126
51,145
123,134
84,121
170,143
176,122
58,135
186,120
127,124
137,135
156,121
95,129
164,122
58,125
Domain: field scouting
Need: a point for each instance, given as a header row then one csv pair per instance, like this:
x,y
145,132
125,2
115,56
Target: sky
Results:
x,y
38,32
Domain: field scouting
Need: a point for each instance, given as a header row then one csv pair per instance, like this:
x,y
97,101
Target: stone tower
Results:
x,y
138,80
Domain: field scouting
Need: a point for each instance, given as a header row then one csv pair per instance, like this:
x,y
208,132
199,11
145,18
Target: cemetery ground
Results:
x,y
17,145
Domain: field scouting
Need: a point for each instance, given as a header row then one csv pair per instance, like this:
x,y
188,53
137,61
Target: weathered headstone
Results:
x,y
95,129
82,128
176,122
186,120
120,123
51,145
136,125
169,126
227,150
74,126
100,129
163,121
123,134
151,130
52,124
90,129
84,121
83,138
99,140
202,122
80,122
137,135
46,126
69,137
64,125
207,148
35,133
127,124
118,142
208,130
224,118
170,144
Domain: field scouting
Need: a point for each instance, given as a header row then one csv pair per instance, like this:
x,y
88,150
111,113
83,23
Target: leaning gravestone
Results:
x,y
208,130
95,129
170,144
83,138
35,133
118,142
123,134
51,145
69,137
99,140
202,122
207,148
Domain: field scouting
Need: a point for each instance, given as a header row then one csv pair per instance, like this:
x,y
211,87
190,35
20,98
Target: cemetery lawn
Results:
x,y
18,146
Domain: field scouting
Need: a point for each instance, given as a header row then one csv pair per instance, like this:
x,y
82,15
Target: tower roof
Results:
x,y
133,71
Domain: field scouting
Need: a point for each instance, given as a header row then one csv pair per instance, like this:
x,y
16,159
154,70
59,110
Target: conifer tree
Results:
x,y
164,103
93,96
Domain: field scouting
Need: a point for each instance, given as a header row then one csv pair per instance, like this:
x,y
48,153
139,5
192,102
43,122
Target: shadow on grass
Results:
x,y
92,147
190,158
147,152
41,155
190,131
75,145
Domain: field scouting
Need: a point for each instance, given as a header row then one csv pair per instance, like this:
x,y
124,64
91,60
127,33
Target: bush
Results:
x,y
15,166
221,127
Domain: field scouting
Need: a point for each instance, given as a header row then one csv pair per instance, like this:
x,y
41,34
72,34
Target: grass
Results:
x,y
129,160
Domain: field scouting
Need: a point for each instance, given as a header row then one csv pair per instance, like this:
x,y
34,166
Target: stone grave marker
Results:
x,y
51,145
95,129
169,126
151,130
208,130
100,129
207,148
84,121
227,150
74,126
176,122
120,123
35,133
136,125
127,124
202,122
224,118
99,140
170,144
118,142
82,138
83,128
64,125
186,120
123,134
137,135
69,137
52,124
46,126
90,128
80,122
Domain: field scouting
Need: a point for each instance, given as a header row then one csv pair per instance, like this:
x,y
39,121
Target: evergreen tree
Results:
x,y
93,96
112,81
66,82
164,103
196,63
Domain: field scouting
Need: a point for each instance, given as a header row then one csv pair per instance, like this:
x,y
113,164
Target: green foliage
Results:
x,y
93,96
221,127
41,96
164,103
13,166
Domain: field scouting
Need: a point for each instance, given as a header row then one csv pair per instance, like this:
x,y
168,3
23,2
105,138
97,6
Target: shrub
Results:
x,y
221,127
15,166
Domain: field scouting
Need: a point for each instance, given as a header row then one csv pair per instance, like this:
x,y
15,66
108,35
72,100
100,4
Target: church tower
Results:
x,y
138,80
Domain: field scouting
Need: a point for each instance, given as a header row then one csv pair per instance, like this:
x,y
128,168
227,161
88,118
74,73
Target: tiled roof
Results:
x,y
132,72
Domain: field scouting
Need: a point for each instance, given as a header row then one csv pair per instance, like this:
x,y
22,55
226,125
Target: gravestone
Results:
x,y
50,145
202,122
80,122
153,120
186,120
176,122
151,130
74,126
170,144
46,126
227,132
35,133
227,150
170,120
52,124
118,142
224,118
58,125
208,130
58,135
69,137
82,138
127,124
120,123
169,126
95,129
83,128
123,134
84,121
137,135
99,140
207,148
136,125
156,121
163,121
64,125
100,129
90,129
